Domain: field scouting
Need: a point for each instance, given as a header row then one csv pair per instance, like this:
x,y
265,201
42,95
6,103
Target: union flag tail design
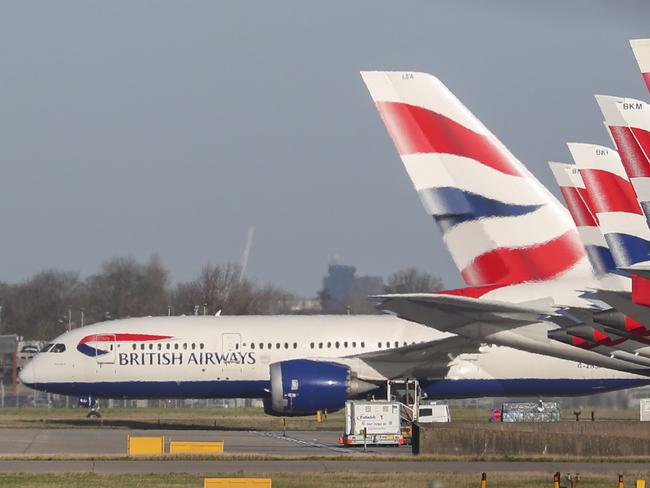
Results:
x,y
641,49
613,201
500,224
628,122
575,196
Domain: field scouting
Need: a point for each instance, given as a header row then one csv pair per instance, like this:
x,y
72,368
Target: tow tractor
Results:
x,y
389,421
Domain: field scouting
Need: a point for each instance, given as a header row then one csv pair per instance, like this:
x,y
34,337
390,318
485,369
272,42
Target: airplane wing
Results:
x,y
450,312
622,301
494,322
429,359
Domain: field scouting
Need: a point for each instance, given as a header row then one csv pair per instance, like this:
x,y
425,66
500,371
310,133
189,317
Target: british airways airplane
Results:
x,y
297,364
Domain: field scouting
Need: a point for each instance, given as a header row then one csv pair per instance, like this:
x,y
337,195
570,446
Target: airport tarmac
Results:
x,y
113,442
70,442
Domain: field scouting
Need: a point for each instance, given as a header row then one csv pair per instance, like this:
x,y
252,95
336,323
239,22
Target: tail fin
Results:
x,y
612,199
575,195
500,224
628,122
641,50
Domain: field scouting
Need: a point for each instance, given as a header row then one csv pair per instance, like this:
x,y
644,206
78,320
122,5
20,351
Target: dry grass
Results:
x,y
307,480
165,418
222,418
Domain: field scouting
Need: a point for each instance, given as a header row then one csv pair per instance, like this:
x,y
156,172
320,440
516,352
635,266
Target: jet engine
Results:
x,y
304,386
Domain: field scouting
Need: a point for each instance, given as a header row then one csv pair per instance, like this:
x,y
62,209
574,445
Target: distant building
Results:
x,y
343,291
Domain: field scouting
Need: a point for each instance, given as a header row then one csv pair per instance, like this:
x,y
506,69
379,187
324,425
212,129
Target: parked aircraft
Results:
x,y
512,241
297,364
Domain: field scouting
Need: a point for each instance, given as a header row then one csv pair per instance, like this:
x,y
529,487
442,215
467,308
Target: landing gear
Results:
x,y
94,413
90,402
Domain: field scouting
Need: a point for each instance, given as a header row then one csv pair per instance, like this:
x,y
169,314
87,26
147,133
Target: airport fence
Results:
x,y
20,396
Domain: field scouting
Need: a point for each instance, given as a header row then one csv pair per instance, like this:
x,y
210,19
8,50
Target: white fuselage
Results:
x,y
229,356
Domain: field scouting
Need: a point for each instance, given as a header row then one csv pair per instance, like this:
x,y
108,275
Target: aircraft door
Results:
x,y
105,346
230,343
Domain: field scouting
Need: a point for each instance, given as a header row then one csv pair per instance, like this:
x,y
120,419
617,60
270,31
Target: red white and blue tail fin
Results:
x,y
501,225
641,49
613,201
575,196
628,123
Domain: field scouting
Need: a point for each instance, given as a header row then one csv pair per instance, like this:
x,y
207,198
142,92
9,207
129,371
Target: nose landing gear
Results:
x,y
91,403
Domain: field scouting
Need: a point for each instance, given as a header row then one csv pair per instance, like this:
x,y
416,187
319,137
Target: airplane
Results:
x,y
512,241
574,193
641,50
297,364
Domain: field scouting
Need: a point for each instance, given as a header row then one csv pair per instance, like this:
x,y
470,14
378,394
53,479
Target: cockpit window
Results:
x,y
46,347
58,348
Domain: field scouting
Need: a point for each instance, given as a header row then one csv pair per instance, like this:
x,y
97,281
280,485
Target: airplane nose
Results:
x,y
27,375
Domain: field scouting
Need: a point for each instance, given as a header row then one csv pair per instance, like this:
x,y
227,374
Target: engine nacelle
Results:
x,y
304,386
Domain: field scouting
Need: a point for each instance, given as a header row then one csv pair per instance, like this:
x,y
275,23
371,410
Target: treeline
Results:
x,y
47,303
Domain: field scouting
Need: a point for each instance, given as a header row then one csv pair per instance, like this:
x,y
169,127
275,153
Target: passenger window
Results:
x,y
363,344
201,346
159,346
277,345
252,345
150,346
142,346
184,345
237,345
354,343
311,345
387,344
396,343
176,346
134,347
270,346
168,346
261,345
58,348
193,346
379,345
47,347
286,345
320,345
295,345
337,344
345,344
329,344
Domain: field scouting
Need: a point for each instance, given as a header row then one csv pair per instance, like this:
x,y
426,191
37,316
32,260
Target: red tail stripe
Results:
x,y
640,290
576,201
517,265
580,342
470,291
634,160
634,326
417,130
646,78
609,192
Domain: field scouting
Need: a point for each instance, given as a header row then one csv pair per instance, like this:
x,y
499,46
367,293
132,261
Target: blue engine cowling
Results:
x,y
303,386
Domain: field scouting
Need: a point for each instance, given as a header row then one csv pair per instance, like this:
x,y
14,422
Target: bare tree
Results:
x,y
411,280
220,288
125,288
38,307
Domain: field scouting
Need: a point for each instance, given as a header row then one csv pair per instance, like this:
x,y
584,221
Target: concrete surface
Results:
x,y
113,441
